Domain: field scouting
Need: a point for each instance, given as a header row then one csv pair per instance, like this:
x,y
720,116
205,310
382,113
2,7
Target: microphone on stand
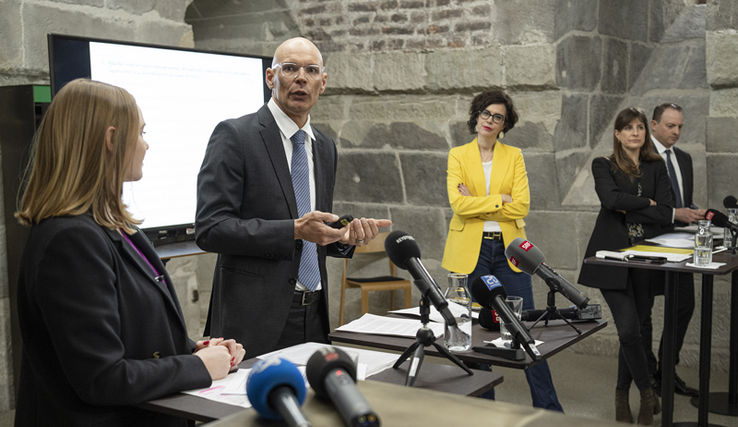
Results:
x,y
488,292
332,375
720,219
403,251
276,389
730,202
530,260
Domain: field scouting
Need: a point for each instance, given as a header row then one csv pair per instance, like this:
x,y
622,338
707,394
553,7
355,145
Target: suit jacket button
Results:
x,y
293,281
497,206
298,244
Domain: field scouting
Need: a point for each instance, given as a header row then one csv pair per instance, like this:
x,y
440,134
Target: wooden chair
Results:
x,y
370,284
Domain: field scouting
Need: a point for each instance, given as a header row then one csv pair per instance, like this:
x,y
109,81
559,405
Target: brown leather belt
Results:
x,y
306,297
492,235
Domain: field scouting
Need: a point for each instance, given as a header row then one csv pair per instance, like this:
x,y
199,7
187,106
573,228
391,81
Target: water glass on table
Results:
x,y
516,305
458,337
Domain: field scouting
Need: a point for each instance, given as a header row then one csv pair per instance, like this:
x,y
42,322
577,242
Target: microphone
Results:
x,y
404,252
276,389
720,219
332,373
488,292
488,319
730,202
530,260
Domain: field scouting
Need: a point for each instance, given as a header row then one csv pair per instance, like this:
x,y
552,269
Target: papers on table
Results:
x,y
674,240
373,362
382,325
217,390
232,389
711,266
670,256
499,343
435,316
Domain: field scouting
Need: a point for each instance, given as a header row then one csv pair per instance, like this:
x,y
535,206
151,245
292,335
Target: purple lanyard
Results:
x,y
158,278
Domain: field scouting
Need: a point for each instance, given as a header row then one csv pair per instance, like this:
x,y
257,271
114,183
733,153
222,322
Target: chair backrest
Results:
x,y
376,245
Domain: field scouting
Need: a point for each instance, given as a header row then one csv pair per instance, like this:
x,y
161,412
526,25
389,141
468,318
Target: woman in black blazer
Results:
x,y
633,187
101,325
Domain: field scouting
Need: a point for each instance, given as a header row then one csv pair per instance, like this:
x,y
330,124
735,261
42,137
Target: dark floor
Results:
x,y
586,387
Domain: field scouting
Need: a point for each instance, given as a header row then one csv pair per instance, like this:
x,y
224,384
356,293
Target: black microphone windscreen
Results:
x,y
400,247
322,362
716,217
524,255
730,202
488,319
485,288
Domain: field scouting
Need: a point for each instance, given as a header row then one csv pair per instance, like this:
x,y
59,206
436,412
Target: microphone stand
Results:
x,y
551,308
426,337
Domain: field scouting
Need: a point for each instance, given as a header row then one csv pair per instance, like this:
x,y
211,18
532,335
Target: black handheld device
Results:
x,y
342,222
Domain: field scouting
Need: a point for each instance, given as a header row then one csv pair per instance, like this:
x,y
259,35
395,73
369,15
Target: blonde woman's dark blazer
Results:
x,y
99,332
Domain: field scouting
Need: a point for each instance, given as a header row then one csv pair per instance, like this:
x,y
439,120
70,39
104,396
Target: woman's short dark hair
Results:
x,y
484,100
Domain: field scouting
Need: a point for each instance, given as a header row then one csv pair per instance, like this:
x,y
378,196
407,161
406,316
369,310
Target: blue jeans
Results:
x,y
492,261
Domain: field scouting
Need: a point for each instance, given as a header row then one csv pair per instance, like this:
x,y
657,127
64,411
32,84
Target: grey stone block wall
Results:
x,y
401,77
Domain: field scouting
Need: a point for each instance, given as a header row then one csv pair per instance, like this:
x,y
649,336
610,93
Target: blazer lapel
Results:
x,y
319,159
500,165
477,183
127,252
273,142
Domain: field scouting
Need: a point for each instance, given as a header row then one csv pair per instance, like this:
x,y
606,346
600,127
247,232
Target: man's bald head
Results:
x,y
297,78
296,44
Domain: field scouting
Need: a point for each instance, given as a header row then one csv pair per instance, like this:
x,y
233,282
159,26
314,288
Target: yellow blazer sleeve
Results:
x,y
466,206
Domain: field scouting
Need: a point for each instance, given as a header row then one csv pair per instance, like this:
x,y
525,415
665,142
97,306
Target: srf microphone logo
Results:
x,y
709,215
526,246
514,261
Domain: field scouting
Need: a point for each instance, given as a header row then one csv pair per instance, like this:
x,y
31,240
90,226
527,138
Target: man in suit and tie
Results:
x,y
265,193
666,128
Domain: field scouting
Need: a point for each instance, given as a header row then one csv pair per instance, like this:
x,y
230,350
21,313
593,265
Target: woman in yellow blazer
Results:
x,y
488,192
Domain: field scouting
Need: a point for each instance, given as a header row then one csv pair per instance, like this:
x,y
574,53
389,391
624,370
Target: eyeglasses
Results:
x,y
290,70
497,118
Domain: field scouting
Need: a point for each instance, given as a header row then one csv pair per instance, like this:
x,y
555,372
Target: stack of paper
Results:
x,y
435,316
383,325
232,389
374,361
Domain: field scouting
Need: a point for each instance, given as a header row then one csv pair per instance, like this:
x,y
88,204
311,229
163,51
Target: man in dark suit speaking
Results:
x,y
667,125
265,191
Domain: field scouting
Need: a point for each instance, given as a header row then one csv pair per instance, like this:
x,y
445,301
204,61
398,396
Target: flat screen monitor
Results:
x,y
183,94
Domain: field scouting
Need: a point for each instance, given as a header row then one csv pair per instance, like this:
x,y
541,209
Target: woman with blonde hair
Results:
x,y
634,190
101,324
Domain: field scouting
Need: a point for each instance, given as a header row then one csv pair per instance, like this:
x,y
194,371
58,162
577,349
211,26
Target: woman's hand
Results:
x,y
653,203
506,198
463,190
234,349
217,360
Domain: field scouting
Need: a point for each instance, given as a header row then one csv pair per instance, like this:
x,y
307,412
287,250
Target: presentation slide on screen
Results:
x,y
183,96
